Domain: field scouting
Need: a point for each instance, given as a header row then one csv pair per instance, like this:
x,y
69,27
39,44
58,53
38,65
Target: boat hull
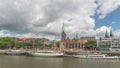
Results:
x,y
87,57
15,52
46,54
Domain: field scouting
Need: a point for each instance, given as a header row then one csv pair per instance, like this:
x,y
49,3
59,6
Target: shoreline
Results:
x,y
2,51
78,52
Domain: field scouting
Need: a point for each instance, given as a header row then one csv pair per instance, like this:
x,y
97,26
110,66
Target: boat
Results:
x,y
46,54
15,52
96,56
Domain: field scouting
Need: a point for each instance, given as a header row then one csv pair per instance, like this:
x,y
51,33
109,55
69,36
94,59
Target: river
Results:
x,y
7,61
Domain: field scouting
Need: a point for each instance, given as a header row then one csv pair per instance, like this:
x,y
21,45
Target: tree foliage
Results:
x,y
5,42
9,42
91,45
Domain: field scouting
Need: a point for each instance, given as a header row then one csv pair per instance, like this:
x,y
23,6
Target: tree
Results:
x,y
19,44
5,42
91,45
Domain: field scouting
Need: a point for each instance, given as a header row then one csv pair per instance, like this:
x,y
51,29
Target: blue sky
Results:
x,y
111,20
44,18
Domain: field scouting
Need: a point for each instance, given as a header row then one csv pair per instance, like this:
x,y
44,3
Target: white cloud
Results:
x,y
117,33
5,33
106,7
112,23
1,33
102,30
46,16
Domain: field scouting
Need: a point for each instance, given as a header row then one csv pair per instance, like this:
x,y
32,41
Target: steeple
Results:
x,y
63,35
106,34
63,27
111,33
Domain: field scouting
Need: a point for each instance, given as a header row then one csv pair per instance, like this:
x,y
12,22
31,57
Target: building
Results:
x,y
35,40
103,44
115,44
75,43
89,38
109,43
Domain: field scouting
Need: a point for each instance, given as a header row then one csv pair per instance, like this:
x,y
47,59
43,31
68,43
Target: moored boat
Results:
x,y
96,56
15,52
47,54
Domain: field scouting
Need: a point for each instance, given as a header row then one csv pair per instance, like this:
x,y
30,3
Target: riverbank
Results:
x,y
2,51
77,52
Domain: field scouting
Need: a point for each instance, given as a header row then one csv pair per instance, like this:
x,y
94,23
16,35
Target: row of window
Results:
x,y
74,46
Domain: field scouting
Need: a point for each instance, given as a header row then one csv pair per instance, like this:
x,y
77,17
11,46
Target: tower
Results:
x,y
111,33
106,34
63,35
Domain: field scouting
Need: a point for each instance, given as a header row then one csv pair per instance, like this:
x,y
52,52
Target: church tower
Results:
x,y
63,35
106,34
111,33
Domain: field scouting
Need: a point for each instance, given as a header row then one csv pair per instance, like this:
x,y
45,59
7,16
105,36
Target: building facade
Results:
x,y
75,43
35,40
109,43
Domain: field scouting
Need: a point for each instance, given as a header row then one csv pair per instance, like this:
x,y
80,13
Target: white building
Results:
x,y
112,44
109,43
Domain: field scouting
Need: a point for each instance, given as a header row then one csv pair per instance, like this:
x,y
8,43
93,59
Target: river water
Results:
x,y
7,61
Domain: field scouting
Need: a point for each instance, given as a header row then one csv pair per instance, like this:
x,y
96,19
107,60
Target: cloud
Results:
x,y
106,7
117,33
1,33
47,16
112,23
102,30
24,17
5,33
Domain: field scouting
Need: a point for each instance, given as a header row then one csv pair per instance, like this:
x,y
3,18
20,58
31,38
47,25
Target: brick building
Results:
x,y
75,43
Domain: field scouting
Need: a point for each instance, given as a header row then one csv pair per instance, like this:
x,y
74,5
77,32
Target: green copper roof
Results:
x,y
63,27
111,33
106,34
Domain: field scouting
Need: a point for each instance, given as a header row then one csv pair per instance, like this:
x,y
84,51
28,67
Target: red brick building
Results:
x,y
75,43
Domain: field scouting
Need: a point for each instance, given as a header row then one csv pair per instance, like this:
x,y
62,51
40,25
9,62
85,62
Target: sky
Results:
x,y
44,18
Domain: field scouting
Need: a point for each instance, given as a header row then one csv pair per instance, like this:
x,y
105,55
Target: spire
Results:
x,y
111,33
63,35
106,34
63,27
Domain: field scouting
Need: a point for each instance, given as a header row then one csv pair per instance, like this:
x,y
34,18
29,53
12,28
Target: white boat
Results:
x,y
96,56
15,52
46,54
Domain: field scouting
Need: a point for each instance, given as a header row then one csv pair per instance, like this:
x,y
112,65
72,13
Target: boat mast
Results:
x,y
14,43
33,46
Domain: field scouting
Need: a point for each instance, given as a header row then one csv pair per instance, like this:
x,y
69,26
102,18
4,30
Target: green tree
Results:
x,y
91,45
19,44
48,45
5,42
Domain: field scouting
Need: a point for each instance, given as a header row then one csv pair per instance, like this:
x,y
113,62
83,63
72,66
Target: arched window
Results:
x,y
76,45
79,46
72,45
66,45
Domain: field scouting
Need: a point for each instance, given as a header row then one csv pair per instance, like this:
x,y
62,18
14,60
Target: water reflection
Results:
x,y
53,62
